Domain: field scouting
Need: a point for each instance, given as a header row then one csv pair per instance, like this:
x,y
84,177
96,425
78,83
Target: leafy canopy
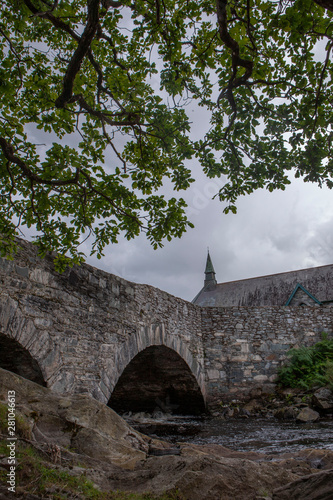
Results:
x,y
93,117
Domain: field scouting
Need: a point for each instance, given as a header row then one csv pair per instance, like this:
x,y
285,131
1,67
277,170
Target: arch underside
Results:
x,y
17,359
157,378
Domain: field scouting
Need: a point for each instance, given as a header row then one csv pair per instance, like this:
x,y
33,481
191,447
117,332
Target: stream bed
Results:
x,y
266,435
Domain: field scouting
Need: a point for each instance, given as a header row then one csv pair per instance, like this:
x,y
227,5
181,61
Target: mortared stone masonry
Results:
x,y
83,328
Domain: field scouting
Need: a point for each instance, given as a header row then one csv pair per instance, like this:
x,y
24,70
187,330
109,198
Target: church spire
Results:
x,y
209,272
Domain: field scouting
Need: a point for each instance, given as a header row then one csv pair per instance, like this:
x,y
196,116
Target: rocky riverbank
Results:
x,y
75,447
283,404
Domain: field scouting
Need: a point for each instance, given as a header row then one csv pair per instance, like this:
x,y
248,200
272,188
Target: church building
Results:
x,y
306,287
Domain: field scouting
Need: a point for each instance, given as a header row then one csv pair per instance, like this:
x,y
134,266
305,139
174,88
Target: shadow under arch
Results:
x,y
152,335
36,357
17,359
156,371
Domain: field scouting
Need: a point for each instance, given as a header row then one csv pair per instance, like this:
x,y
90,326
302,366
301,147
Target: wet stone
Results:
x,y
307,415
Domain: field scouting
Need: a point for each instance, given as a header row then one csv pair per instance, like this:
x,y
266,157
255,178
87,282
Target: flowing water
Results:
x,y
251,434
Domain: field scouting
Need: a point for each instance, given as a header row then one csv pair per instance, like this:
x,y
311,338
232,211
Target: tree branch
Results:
x,y
109,200
315,116
237,61
133,118
58,23
326,4
111,3
115,54
221,8
9,154
35,179
79,54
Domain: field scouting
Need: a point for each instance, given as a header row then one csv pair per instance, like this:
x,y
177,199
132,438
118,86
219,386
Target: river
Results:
x,y
267,435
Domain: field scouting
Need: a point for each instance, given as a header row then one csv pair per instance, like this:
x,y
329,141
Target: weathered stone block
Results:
x,y
260,378
213,374
22,271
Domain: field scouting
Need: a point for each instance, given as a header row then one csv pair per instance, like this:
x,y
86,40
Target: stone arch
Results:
x,y
33,347
143,343
17,359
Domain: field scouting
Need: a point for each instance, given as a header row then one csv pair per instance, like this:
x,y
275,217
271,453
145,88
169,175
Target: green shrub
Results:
x,y
329,373
309,366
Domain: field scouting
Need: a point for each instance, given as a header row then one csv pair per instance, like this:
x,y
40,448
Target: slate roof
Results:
x,y
274,289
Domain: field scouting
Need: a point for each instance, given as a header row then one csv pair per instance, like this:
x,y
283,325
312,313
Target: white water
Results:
x,y
251,434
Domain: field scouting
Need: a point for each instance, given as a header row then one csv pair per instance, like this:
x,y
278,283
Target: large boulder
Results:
x,y
323,399
317,486
78,422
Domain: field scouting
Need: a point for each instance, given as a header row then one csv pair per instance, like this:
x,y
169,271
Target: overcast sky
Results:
x,y
271,233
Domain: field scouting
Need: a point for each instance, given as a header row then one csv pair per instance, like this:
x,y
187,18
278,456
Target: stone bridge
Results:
x,y
135,347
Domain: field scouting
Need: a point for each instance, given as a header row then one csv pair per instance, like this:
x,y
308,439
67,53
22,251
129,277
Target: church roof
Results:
x,y
209,265
274,289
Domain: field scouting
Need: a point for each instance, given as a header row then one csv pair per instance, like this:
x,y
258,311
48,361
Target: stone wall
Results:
x,y
83,327
244,346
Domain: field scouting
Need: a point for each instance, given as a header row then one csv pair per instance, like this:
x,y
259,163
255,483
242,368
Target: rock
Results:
x,y
158,414
253,406
286,413
256,392
141,416
231,412
85,425
323,399
243,413
290,392
317,486
307,415
322,459
160,452
92,438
